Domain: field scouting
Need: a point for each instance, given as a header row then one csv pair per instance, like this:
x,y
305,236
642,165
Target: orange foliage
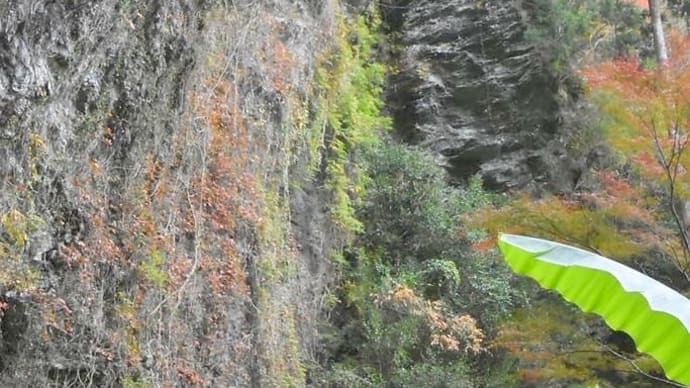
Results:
x,y
614,185
190,376
225,194
279,60
649,112
644,4
486,244
451,333
613,221
550,345
621,202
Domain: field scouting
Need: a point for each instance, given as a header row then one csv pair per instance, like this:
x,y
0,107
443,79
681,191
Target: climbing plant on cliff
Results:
x,y
349,88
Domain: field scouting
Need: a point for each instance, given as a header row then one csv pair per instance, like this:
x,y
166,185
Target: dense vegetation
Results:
x,y
423,299
630,206
279,233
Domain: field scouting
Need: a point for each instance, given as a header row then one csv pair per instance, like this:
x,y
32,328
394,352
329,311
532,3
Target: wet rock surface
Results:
x,y
471,89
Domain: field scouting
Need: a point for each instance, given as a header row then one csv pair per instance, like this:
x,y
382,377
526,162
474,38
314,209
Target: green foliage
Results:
x,y
15,228
347,374
439,277
410,270
350,84
490,291
409,210
563,28
435,375
154,270
409,291
473,196
399,333
134,382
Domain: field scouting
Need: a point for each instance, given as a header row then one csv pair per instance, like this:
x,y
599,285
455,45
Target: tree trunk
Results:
x,y
658,28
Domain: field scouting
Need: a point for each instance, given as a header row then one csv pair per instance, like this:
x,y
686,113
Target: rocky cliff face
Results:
x,y
145,153
157,224
472,89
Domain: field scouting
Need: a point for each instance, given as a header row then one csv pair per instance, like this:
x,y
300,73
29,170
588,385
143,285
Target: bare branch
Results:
x,y
639,370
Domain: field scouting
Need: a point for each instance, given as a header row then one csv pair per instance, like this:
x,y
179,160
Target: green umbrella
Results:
x,y
654,315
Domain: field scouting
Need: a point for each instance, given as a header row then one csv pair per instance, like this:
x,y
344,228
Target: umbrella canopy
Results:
x,y
654,315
